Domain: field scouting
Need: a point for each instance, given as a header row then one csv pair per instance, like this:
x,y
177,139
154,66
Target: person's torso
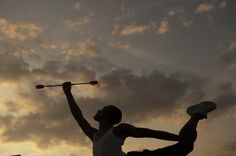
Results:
x,y
108,145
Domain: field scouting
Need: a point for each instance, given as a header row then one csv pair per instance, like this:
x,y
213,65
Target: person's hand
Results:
x,y
66,87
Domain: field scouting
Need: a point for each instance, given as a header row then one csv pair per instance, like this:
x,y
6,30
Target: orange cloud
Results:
x,y
19,31
164,27
204,8
232,46
134,29
88,48
76,24
77,6
228,56
176,11
188,24
223,4
57,45
119,45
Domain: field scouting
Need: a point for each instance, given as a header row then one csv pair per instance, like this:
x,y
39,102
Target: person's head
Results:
x,y
109,113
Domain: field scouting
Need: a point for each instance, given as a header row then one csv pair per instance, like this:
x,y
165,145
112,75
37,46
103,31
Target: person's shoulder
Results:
x,y
124,125
121,128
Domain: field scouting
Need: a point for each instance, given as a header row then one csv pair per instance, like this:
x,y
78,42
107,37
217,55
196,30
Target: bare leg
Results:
x,y
193,122
188,133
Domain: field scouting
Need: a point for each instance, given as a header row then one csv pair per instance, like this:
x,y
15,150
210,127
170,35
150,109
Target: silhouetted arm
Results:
x,y
126,130
76,112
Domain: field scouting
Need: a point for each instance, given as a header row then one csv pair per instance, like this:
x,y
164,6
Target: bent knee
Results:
x,y
188,137
187,148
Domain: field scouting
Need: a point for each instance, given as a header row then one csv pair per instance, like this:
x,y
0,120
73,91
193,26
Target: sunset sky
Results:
x,y
152,58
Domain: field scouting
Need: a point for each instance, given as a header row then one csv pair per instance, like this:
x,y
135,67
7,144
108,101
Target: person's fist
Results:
x,y
66,87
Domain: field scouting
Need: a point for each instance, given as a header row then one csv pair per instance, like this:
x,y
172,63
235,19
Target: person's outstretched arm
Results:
x,y
126,130
76,112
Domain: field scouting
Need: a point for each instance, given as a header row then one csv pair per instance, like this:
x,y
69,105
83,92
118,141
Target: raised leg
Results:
x,y
187,134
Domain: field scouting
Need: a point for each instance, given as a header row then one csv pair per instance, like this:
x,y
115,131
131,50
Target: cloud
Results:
x,y
123,7
140,29
140,97
119,45
88,48
77,24
205,7
134,29
223,4
171,13
45,127
225,97
115,29
176,11
188,23
232,46
56,45
56,71
77,6
11,106
45,122
144,96
77,56
50,122
228,57
19,31
125,16
164,27
12,67
51,45
72,58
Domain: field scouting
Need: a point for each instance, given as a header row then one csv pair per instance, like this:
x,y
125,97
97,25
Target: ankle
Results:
x,y
199,116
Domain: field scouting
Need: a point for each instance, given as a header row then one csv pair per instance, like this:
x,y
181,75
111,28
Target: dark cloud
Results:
x,y
140,97
229,58
149,95
12,66
58,71
51,123
225,98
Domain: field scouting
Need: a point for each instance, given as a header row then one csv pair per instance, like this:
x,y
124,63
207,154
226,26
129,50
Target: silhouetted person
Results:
x,y
108,139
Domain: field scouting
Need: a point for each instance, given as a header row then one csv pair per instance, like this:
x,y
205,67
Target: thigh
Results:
x,y
140,153
178,149
173,150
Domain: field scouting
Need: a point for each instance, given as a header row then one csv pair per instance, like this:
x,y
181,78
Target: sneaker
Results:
x,y
202,108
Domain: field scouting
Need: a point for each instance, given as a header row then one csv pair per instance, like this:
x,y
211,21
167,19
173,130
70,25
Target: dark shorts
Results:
x,y
178,149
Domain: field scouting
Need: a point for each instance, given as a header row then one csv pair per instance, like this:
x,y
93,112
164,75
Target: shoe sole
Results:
x,y
202,108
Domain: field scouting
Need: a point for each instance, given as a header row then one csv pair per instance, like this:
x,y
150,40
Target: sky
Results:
x,y
152,58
